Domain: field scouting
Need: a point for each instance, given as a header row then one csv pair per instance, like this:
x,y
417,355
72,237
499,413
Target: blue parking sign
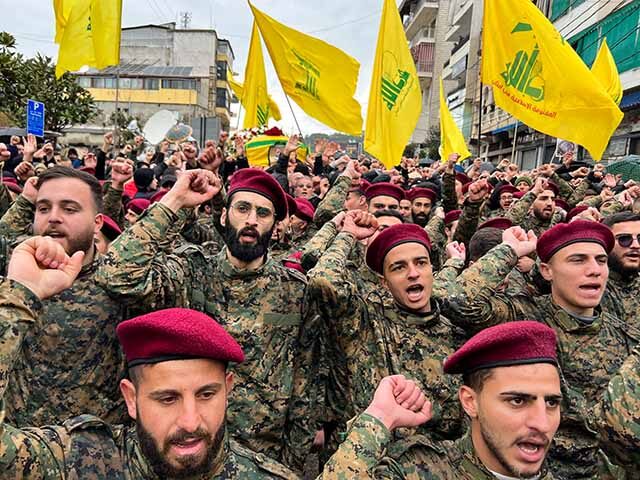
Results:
x,y
35,118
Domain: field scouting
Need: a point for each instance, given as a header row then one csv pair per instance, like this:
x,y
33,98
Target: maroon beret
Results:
x,y
305,209
12,185
89,170
508,344
138,205
158,195
562,204
392,237
110,229
385,189
507,188
292,208
293,262
463,178
362,186
554,188
501,223
421,192
578,231
260,182
518,194
452,216
575,211
176,334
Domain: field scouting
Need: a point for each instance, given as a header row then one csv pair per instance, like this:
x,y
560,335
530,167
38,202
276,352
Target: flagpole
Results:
x,y
294,116
515,139
238,122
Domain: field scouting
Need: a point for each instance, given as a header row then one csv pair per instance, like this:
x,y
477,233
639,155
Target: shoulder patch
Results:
x,y
85,422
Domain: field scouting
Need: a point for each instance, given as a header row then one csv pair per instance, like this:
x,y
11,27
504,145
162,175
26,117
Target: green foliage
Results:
x,y
23,78
432,144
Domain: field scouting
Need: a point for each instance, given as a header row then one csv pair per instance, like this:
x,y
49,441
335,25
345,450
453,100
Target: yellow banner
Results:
x,y
451,138
319,77
395,98
539,79
606,71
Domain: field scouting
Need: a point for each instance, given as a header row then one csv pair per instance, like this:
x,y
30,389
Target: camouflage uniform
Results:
x,y
519,214
5,199
368,453
112,204
622,298
70,361
589,355
262,309
374,337
85,446
333,201
449,197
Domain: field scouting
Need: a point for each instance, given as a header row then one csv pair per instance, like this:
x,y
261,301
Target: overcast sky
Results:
x,y
351,26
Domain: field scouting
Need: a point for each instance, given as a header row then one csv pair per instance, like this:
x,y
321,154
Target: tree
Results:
x,y
21,78
432,144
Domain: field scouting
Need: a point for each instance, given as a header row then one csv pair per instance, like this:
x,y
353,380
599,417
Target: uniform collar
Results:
x,y
572,323
408,317
231,271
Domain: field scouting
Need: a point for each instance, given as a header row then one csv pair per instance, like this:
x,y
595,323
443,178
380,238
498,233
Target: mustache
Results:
x,y
536,438
248,231
182,436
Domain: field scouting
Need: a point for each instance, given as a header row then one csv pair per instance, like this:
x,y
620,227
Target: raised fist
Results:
x,y
42,265
360,224
523,243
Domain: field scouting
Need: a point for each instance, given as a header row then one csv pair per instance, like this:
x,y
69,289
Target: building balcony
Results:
x,y
422,14
461,25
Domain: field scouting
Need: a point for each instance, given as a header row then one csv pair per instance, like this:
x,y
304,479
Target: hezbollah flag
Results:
x,y
90,35
395,99
539,79
451,138
261,150
606,71
255,98
319,77
238,89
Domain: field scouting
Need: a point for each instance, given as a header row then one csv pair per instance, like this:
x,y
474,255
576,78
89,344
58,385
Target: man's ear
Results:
x,y
223,217
545,271
128,390
469,401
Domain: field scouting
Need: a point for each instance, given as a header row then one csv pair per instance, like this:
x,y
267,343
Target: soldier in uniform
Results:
x,y
422,202
255,298
624,266
510,392
176,392
375,335
70,360
592,341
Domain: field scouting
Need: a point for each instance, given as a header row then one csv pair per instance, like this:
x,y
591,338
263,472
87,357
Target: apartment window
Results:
x,y
151,84
179,84
634,146
109,83
84,82
221,70
222,98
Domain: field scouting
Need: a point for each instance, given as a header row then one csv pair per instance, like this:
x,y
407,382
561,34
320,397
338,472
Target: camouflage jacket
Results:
x,y
5,199
333,201
370,453
622,297
589,354
86,446
262,309
76,327
520,214
374,337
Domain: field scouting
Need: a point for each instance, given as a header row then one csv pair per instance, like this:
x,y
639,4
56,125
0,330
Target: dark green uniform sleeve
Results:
x,y
139,267
112,204
5,199
468,223
333,202
449,197
18,221
315,247
30,453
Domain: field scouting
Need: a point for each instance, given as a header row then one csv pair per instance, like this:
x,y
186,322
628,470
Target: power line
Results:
x,y
350,22
571,31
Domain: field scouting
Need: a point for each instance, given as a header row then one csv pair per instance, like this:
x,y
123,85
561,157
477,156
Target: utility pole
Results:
x,y
185,20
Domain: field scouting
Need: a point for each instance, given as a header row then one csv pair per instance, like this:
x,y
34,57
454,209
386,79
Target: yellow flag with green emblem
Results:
x,y
90,35
395,98
238,90
319,77
606,71
451,138
255,98
539,79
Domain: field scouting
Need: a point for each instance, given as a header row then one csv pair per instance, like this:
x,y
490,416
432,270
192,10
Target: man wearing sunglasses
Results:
x,y
624,266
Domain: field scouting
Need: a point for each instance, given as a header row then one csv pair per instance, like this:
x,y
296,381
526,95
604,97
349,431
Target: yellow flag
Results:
x,y
606,71
238,89
539,79
317,76
261,150
451,138
90,36
255,98
62,9
395,99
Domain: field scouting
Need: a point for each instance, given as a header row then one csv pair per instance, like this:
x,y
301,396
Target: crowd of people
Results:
x,y
170,311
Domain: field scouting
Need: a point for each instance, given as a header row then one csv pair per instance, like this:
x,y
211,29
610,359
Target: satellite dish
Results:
x,y
179,133
158,125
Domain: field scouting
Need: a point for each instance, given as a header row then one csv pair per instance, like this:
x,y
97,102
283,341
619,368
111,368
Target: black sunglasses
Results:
x,y
626,239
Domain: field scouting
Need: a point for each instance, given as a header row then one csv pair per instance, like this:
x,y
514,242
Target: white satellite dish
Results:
x,y
158,125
